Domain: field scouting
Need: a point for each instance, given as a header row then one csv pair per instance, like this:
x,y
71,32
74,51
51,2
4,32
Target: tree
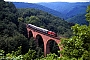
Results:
x,y
30,55
33,20
22,28
16,55
88,14
51,57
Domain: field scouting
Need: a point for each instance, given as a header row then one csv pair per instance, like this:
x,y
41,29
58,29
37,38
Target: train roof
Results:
x,y
38,27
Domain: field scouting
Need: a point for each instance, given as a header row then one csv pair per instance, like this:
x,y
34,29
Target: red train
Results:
x,y
42,30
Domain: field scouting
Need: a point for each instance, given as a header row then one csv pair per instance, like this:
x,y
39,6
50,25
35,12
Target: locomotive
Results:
x,y
51,33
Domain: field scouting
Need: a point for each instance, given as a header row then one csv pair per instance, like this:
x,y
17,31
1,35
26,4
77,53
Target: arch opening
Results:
x,y
30,34
40,42
53,47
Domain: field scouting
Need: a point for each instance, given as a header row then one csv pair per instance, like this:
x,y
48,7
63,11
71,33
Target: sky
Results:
x,y
37,1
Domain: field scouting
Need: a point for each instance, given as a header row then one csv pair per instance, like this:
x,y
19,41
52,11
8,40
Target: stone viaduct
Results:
x,y
46,38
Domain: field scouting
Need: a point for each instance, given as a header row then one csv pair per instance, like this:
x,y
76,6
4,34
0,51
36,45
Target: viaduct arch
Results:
x,y
45,38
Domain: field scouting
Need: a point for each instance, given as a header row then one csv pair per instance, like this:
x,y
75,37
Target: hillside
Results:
x,y
50,22
64,10
45,20
67,9
79,19
37,6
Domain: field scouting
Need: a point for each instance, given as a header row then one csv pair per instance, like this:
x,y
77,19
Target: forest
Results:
x,y
15,45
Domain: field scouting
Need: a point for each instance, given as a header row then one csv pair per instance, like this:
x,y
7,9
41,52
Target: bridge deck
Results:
x,y
44,33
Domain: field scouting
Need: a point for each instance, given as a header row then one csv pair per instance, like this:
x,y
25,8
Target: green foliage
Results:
x,y
30,55
14,55
51,57
32,43
33,46
88,18
12,35
2,54
8,12
88,14
17,55
33,20
54,48
8,19
78,46
11,56
12,43
20,19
